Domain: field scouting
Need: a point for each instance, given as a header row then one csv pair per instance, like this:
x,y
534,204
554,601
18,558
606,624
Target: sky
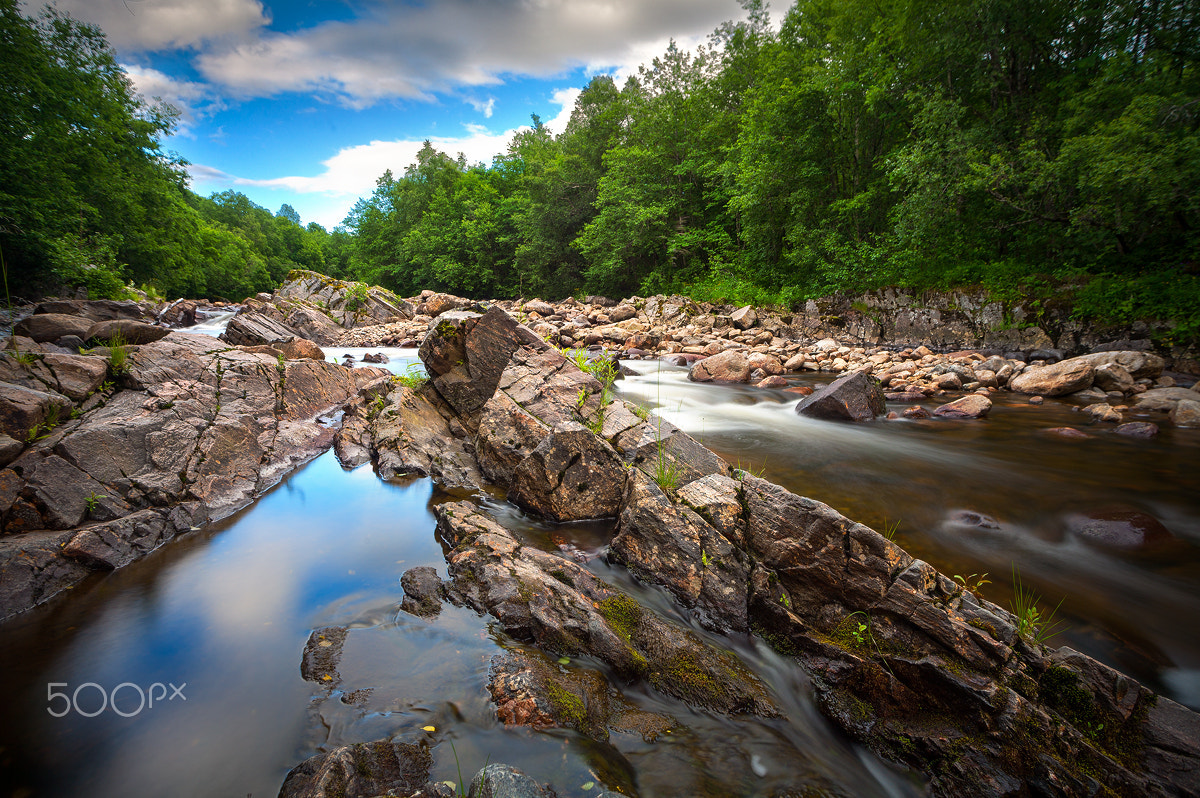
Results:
x,y
308,102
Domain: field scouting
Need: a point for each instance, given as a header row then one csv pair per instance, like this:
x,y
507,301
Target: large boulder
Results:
x,y
43,327
1163,400
346,304
125,330
93,309
1137,364
361,770
1058,379
571,475
728,366
856,396
251,328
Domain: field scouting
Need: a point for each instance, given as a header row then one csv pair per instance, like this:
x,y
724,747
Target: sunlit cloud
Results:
x,y
139,25
193,100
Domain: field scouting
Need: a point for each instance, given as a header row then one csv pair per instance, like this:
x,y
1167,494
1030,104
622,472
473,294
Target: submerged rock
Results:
x,y
1118,528
362,770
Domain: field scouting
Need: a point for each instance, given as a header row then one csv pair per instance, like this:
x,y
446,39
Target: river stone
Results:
x,y
323,654
423,591
125,330
856,396
744,318
769,364
539,307
42,327
506,436
437,304
1137,429
1186,413
78,376
1136,364
411,435
363,769
1114,377
570,476
1059,379
973,406
1162,400
728,366
504,781
1118,528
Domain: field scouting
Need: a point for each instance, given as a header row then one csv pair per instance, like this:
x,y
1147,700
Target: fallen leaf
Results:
x,y
429,728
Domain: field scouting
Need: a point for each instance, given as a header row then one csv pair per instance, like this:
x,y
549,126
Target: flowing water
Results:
x,y
224,613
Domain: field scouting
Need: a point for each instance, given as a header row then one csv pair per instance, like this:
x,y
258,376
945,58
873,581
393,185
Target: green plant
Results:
x,y
890,529
413,377
118,355
741,472
973,583
1031,624
52,417
90,502
704,558
356,296
582,398
33,433
25,358
105,386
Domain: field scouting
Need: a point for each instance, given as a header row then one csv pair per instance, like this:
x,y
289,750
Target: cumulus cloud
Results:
x,y
398,50
194,100
485,107
161,24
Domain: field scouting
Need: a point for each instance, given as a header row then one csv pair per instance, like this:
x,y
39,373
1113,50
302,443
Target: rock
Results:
x,y
1036,400
1059,379
1137,364
128,331
826,345
973,406
563,608
622,313
76,376
362,770
1067,432
1090,396
411,434
570,475
375,358
970,518
539,307
1113,377
180,313
744,318
423,591
916,411
22,409
1118,528
1051,356
1162,400
1104,412
772,382
767,363
1186,413
93,309
949,381
1137,429
9,449
853,397
504,781
250,328
675,546
52,326
438,304
728,366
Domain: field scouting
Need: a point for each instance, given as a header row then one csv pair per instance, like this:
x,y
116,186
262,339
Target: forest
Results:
x,y
1042,149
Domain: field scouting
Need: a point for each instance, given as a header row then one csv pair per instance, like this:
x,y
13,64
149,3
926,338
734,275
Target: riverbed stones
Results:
x,y
973,406
1162,400
729,366
423,591
1186,413
383,767
1118,528
856,396
1058,379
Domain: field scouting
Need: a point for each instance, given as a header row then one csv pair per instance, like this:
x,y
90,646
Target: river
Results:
x,y
223,614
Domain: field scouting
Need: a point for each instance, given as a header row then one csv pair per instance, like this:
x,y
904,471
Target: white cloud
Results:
x,y
485,108
194,100
352,172
161,24
398,50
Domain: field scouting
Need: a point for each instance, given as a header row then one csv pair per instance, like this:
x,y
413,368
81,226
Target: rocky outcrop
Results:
x,y
902,657
188,430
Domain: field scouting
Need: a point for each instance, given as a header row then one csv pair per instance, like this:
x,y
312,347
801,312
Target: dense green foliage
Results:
x,y
1029,146
1035,147
87,197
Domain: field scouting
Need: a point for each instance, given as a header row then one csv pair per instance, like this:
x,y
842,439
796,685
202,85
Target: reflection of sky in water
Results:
x,y
230,619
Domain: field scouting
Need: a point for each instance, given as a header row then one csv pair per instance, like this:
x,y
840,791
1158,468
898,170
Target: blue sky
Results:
x,y
308,102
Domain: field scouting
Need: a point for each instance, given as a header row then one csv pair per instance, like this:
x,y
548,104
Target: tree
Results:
x,y
288,212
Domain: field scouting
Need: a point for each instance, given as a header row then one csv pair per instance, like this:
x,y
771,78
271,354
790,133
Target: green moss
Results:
x,y
1061,690
622,613
986,627
776,641
563,577
446,329
567,706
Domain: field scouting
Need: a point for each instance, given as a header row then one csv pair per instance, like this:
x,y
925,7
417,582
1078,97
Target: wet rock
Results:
x,y
949,381
1104,412
353,441
974,406
1067,432
972,519
563,608
728,366
1059,379
423,591
1137,429
322,654
128,331
1186,413
1051,356
52,326
772,382
853,397
180,313
362,770
1118,528
674,546
916,411
378,357
411,434
570,475
1036,400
